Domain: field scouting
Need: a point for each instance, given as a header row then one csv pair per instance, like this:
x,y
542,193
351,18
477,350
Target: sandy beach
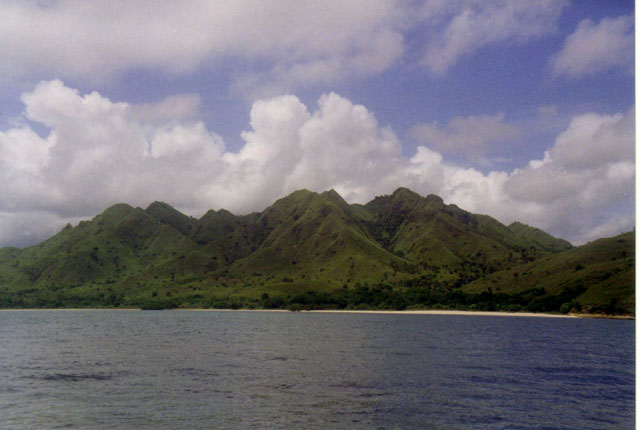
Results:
x,y
392,312
453,312
353,311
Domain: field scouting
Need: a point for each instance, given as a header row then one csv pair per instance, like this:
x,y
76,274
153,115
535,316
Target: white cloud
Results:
x,y
24,228
593,48
586,179
185,140
593,140
307,42
271,151
370,54
611,227
281,45
470,136
22,148
100,152
175,107
595,150
465,26
342,137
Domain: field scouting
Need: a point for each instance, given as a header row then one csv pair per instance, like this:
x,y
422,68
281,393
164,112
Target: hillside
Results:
x,y
596,277
306,250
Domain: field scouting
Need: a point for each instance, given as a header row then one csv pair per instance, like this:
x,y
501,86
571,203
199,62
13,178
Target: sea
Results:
x,y
119,369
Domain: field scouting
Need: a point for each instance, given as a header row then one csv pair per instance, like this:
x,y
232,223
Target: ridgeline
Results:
x,y
316,251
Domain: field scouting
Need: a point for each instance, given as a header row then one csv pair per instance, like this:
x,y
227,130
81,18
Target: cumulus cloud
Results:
x,y
585,183
471,136
342,137
95,153
593,48
99,152
466,26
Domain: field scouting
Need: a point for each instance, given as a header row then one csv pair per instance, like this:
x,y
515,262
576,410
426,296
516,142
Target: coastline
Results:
x,y
355,311
482,313
453,312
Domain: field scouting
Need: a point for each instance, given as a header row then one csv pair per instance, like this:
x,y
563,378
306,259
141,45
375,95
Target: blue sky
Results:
x,y
523,110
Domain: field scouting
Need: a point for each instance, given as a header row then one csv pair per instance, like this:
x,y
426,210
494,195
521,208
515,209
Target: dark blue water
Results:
x,y
180,369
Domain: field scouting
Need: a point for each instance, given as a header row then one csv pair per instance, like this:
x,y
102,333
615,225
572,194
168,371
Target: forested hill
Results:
x,y
307,250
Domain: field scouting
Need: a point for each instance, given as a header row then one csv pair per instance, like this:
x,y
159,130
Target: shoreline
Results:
x,y
453,312
481,313
354,311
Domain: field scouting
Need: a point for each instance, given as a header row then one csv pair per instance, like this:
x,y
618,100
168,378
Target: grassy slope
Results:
x,y
601,273
115,247
431,233
316,236
538,237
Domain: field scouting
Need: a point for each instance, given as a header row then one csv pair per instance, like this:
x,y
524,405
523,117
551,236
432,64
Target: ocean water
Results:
x,y
238,370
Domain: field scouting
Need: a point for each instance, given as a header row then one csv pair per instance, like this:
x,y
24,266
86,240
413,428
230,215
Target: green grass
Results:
x,y
605,269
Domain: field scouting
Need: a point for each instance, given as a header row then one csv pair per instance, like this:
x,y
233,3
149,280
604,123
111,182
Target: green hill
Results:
x,y
315,250
316,236
433,234
596,277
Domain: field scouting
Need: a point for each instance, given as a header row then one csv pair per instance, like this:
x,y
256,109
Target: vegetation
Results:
x,y
596,277
311,251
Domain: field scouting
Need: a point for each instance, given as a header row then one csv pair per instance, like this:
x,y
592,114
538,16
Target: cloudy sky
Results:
x,y
520,109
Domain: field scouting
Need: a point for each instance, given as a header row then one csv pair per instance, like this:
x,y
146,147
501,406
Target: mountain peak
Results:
x,y
169,215
158,205
332,194
162,210
335,197
434,199
117,210
296,197
302,192
159,209
405,192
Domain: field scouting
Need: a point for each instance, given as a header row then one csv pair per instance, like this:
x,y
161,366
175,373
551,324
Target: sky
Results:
x,y
519,109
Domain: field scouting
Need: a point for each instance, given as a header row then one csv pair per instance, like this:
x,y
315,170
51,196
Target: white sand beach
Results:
x,y
353,311
452,312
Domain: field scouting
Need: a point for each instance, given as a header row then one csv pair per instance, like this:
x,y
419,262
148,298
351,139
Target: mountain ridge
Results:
x,y
305,242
